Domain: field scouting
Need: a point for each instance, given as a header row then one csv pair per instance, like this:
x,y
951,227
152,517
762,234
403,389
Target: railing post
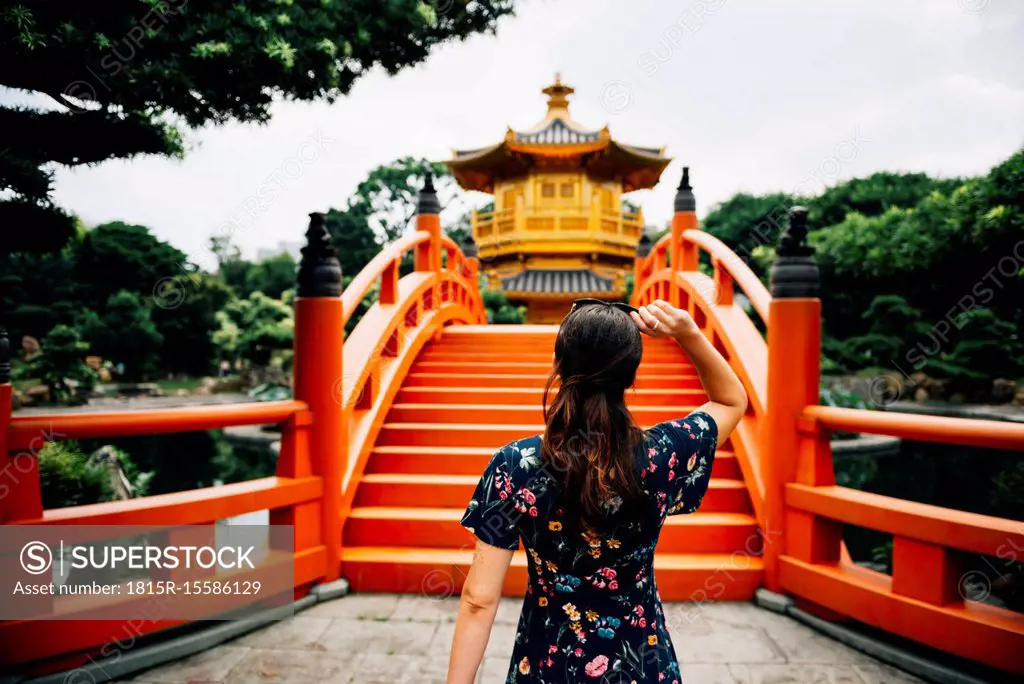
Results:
x,y
643,249
21,496
794,348
6,397
428,209
318,376
682,257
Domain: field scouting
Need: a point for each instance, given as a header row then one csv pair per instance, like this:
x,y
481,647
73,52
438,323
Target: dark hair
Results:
x,y
590,437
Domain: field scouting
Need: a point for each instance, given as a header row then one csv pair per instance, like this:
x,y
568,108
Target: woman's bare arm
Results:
x,y
477,607
727,400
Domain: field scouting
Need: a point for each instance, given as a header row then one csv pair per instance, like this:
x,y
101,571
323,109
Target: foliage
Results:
x,y
69,477
120,256
843,398
124,333
271,276
874,195
61,364
1007,497
41,290
924,273
381,209
855,472
499,310
745,221
187,326
127,75
253,329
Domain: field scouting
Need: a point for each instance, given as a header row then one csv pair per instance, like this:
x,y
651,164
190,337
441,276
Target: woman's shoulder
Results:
x,y
522,457
696,425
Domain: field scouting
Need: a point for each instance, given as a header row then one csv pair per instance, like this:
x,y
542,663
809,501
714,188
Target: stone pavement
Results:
x,y
385,639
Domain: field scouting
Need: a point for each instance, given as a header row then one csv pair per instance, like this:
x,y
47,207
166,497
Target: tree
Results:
x,y
126,75
874,195
499,310
35,290
187,323
69,477
61,364
382,208
119,256
271,276
253,329
125,333
745,222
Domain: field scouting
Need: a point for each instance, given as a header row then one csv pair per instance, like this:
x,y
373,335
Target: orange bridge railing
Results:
x,y
784,449
343,389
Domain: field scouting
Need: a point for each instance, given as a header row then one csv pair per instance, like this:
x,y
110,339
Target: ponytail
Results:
x,y
590,439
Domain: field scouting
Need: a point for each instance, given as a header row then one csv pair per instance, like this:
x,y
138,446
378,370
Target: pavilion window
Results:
x,y
568,190
547,190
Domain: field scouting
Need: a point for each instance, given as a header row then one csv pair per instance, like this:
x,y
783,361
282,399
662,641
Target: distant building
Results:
x,y
558,231
283,247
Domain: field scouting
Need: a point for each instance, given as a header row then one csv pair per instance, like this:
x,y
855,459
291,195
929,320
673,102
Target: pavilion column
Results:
x,y
794,359
318,376
683,257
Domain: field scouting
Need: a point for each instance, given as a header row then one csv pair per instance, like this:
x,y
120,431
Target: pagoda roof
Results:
x,y
557,281
558,142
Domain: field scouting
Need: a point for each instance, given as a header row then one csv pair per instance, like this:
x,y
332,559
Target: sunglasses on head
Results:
x,y
618,305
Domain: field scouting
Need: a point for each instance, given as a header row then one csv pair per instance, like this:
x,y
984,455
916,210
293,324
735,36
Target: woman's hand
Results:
x,y
661,319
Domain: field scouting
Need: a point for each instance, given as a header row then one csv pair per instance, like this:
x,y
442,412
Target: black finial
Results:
x,y
5,357
684,194
428,202
643,248
469,246
794,272
319,268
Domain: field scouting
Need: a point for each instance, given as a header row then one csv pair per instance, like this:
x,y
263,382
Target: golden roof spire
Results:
x,y
558,95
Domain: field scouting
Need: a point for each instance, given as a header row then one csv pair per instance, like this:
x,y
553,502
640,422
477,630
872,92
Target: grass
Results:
x,y
189,384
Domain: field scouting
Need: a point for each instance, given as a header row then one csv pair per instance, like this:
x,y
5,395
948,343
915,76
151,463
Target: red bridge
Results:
x,y
391,427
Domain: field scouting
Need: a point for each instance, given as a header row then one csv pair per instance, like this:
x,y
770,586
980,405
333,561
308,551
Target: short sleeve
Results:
x,y
679,458
491,514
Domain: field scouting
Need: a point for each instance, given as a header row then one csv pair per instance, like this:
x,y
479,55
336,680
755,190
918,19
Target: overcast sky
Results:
x,y
752,95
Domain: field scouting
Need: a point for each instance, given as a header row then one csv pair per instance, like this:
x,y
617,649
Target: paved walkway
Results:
x,y
385,639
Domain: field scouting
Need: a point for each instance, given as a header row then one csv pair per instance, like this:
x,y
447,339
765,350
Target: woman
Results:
x,y
588,498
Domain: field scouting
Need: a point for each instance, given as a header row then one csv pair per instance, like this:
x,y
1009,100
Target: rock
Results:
x,y
235,383
919,378
39,394
181,393
104,374
920,394
938,389
110,458
29,347
1018,398
94,362
957,398
1002,390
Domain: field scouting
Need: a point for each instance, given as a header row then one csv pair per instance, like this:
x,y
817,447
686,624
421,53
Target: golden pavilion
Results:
x,y
558,231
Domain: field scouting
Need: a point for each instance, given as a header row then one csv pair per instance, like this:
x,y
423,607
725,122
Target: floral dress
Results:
x,y
592,612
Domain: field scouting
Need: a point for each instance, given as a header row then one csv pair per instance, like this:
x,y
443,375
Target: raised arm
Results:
x,y
727,399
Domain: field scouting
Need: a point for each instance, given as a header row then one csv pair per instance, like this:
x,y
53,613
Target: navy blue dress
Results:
x,y
592,612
